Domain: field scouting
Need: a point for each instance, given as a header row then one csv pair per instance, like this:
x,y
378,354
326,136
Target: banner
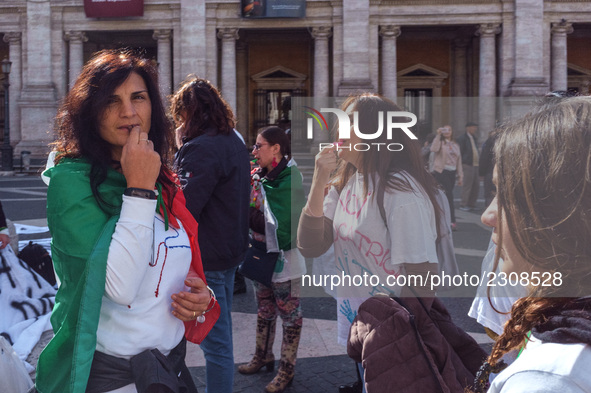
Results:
x,y
113,8
274,8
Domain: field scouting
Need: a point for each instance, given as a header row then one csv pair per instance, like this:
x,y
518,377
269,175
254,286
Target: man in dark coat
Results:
x,y
470,155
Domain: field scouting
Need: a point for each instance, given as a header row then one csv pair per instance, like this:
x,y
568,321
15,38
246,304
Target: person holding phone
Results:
x,y
4,234
447,165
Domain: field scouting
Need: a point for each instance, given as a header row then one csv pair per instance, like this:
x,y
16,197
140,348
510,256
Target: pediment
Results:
x,y
422,70
575,70
279,72
279,78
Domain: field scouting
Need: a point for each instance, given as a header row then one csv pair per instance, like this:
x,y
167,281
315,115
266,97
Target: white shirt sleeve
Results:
x,y
534,381
330,203
411,223
130,250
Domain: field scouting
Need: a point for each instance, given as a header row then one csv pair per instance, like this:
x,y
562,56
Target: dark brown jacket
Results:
x,y
404,348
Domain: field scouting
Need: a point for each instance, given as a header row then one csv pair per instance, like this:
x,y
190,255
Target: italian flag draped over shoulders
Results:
x,y
81,234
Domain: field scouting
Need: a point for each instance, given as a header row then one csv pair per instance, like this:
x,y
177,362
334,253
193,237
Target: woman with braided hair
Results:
x,y
542,225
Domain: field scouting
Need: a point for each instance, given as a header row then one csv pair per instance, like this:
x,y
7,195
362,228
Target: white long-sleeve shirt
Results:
x,y
145,266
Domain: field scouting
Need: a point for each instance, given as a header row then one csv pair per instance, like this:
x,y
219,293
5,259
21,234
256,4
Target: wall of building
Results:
x,y
49,40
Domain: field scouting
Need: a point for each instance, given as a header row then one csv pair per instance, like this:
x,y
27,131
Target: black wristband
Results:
x,y
140,193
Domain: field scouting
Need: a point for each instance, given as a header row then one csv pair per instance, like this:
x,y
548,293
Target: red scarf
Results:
x,y
194,332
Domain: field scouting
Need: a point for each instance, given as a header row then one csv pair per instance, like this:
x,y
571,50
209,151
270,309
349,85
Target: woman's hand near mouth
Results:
x,y
140,164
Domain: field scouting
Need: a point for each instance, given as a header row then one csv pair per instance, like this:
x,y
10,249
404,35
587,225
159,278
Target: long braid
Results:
x,y
526,313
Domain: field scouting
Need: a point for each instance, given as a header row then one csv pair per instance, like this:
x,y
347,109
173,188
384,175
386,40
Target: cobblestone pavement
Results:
x,y
321,374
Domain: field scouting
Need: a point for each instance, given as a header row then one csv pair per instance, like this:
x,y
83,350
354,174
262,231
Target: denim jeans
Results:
x,y
447,179
362,375
217,346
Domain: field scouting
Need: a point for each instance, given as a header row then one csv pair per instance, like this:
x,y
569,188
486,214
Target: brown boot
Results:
x,y
263,354
289,353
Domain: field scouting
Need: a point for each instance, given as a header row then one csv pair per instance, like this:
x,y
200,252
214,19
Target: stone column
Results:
x,y
356,44
228,85
389,83
242,93
76,40
164,61
559,64
14,40
193,51
212,49
337,50
176,47
529,80
321,74
487,79
38,99
460,83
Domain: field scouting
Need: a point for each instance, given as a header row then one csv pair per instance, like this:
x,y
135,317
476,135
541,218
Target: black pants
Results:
x,y
151,371
447,179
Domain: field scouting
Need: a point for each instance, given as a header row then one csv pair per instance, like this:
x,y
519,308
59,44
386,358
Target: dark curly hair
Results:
x,y
77,123
202,108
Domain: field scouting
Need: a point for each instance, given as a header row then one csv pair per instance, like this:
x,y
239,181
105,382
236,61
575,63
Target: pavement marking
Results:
x,y
19,178
468,252
26,191
481,338
471,218
23,199
43,187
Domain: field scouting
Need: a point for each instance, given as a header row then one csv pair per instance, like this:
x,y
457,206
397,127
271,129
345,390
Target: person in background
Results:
x,y
447,166
486,166
124,245
277,197
239,281
214,168
470,161
541,227
380,212
4,233
426,152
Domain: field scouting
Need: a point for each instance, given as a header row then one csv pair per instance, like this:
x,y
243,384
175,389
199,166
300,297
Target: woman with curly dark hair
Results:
x,y
213,165
117,217
542,226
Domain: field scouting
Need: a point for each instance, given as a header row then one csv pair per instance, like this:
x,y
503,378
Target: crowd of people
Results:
x,y
152,213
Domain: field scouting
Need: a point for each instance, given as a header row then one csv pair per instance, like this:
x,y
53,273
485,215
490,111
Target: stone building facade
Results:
x,y
424,53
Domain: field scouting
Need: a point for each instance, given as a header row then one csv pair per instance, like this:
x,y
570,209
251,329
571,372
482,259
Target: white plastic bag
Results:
x,y
13,374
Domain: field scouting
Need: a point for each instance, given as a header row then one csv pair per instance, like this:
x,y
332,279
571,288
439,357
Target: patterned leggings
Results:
x,y
282,297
